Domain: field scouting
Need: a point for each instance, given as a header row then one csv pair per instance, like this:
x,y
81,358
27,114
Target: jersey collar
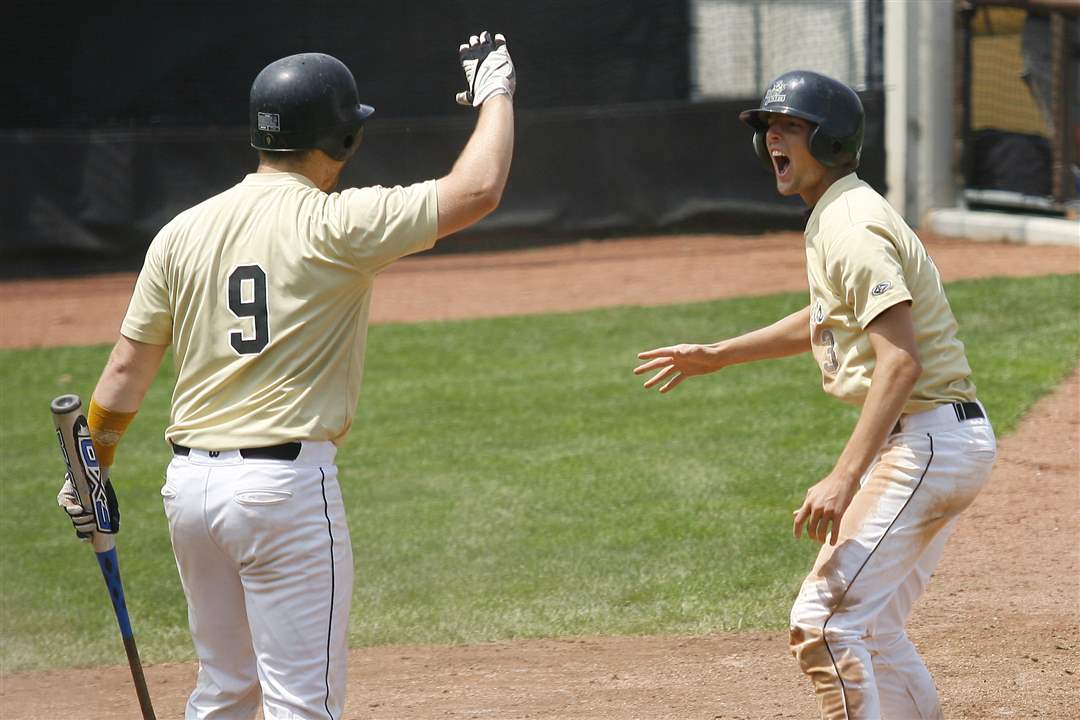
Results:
x,y
276,178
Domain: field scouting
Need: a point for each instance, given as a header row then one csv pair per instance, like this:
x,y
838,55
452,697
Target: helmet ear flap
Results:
x,y
822,147
761,150
343,143
831,152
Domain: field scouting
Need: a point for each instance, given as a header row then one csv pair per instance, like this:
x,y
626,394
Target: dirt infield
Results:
x,y
637,271
999,626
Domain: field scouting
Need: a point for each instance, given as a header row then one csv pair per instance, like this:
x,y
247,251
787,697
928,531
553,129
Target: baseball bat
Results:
x,y
89,478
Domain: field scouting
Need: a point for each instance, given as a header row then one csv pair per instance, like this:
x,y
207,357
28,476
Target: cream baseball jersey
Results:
x,y
861,259
264,293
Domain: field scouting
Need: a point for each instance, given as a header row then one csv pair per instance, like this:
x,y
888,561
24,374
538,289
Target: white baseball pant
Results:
x,y
847,624
266,564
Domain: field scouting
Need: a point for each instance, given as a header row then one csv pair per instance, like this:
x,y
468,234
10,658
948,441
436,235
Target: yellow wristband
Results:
x,y
106,428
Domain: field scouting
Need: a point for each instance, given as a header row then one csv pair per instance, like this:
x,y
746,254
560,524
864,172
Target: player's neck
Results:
x,y
812,194
316,167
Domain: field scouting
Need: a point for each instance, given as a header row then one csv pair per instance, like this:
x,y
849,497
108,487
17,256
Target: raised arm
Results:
x,y
474,186
788,336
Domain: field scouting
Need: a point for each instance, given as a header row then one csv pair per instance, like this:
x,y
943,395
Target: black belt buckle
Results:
x,y
285,451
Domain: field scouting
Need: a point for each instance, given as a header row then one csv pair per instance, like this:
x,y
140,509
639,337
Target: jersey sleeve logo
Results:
x,y
881,288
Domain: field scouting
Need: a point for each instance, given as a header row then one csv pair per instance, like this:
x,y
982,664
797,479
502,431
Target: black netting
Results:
x,y
119,118
156,63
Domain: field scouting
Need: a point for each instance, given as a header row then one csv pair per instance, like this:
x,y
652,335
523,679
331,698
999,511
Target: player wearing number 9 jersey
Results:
x,y
263,291
267,318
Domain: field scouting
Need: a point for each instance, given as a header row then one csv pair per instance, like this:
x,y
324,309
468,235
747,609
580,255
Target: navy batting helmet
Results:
x,y
304,102
832,106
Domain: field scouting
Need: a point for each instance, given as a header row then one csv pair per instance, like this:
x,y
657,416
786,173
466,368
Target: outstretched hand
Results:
x,y
676,363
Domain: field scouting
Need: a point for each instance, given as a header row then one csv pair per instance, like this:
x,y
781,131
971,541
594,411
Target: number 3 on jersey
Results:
x,y
247,299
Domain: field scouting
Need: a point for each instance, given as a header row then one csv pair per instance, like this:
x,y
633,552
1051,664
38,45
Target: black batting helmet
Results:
x,y
304,102
831,105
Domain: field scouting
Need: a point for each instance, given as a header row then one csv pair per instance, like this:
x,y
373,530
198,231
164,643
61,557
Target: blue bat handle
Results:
x,y
110,569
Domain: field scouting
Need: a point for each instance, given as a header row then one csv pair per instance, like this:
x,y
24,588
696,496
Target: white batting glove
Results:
x,y
489,70
84,522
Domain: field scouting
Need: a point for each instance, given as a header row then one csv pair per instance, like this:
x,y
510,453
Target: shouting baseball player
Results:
x,y
263,291
884,337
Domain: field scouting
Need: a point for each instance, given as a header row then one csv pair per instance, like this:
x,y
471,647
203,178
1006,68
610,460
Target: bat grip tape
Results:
x,y
110,570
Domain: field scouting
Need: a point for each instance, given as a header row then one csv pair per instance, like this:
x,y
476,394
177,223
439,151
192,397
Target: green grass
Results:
x,y
510,478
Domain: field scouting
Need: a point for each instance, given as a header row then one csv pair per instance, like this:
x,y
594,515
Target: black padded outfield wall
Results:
x,y
117,120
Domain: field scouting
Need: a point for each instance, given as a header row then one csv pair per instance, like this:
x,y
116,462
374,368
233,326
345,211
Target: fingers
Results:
x,y
67,496
821,525
462,98
657,358
834,516
83,522
656,353
484,38
664,373
815,519
673,383
652,364
816,526
800,516
465,49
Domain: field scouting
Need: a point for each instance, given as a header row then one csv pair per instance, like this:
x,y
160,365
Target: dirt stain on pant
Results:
x,y
839,678
831,614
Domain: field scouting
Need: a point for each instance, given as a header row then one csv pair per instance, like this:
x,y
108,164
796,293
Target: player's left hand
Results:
x,y
825,504
82,520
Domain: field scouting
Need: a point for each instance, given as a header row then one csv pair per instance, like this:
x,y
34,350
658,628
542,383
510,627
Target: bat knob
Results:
x,y
64,404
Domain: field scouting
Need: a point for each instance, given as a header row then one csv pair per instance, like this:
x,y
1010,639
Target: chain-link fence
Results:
x,y
738,46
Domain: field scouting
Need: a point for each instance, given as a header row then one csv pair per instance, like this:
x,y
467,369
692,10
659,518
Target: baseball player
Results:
x,y
263,292
885,339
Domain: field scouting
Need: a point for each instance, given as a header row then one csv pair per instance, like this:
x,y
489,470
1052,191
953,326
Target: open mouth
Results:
x,y
781,163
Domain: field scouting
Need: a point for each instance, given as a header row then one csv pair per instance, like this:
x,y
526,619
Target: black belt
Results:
x,y
284,451
964,411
